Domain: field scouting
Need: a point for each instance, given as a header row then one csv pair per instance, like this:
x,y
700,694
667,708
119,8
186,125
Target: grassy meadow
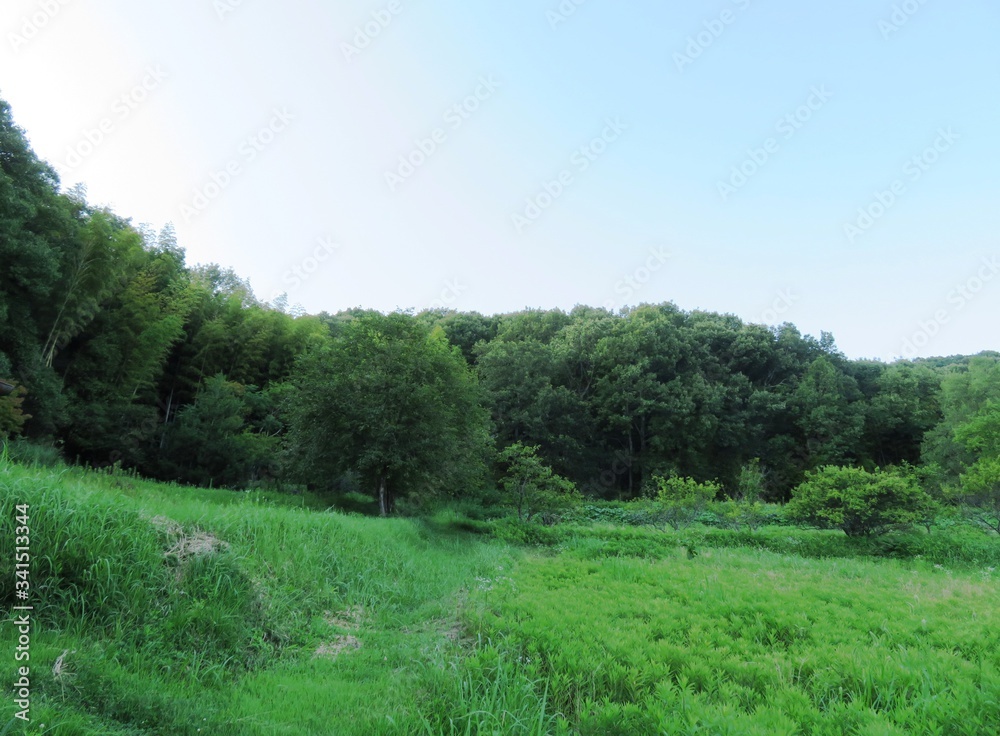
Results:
x,y
171,610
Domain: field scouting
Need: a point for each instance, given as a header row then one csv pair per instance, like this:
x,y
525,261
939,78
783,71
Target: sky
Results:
x,y
833,165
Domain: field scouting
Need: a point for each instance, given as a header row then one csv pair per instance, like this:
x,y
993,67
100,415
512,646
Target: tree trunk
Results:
x,y
166,416
384,499
631,456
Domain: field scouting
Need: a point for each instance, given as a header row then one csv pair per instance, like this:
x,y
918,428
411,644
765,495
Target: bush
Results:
x,y
531,488
863,504
680,501
738,514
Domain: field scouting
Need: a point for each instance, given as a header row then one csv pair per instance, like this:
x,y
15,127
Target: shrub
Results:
x,y
859,502
530,486
751,481
737,514
679,501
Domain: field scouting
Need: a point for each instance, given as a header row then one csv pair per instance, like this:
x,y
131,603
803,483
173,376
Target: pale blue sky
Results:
x,y
911,281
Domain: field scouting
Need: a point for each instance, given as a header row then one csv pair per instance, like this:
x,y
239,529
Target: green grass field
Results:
x,y
169,610
750,642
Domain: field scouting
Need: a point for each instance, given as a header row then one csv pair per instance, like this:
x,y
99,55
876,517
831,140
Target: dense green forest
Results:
x,y
125,354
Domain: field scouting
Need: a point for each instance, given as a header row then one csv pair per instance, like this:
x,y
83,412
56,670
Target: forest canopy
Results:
x,y
125,354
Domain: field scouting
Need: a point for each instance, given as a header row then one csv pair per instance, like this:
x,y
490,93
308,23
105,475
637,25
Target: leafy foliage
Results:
x,y
746,509
390,400
679,501
123,350
980,491
12,418
530,486
211,442
861,503
966,390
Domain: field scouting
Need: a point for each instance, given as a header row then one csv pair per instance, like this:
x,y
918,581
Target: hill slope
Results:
x,y
176,610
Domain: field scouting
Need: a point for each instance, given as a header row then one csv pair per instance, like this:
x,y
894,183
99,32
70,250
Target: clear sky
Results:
x,y
834,165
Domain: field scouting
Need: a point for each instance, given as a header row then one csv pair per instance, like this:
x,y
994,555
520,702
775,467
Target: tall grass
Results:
x,y
496,692
178,610
750,642
191,611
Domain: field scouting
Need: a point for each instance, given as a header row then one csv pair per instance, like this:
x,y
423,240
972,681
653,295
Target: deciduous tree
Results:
x,y
392,401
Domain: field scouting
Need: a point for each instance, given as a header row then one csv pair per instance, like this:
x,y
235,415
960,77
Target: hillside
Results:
x,y
177,610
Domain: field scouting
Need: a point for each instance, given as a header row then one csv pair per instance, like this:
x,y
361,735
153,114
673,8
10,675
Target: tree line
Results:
x,y
123,353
